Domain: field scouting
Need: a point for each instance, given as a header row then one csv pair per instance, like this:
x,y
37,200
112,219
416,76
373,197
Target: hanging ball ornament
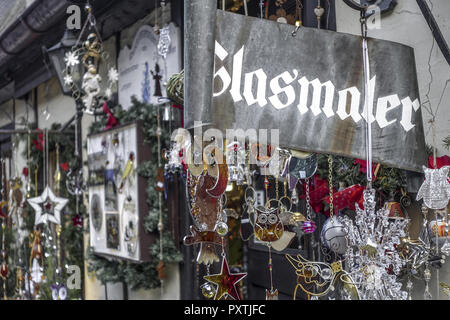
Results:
x,y
333,235
208,291
309,226
221,228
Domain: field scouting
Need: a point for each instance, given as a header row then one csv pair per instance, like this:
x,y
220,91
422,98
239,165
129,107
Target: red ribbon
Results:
x,y
112,121
440,162
347,198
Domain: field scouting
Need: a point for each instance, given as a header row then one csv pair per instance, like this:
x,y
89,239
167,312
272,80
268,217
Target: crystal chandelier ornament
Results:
x,y
372,258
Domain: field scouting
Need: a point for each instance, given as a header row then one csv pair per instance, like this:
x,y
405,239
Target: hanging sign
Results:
x,y
310,87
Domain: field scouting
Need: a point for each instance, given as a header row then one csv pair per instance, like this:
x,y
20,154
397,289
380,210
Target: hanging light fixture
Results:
x,y
56,55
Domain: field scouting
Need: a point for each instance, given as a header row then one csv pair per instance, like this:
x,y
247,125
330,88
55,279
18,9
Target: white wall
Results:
x,y
407,25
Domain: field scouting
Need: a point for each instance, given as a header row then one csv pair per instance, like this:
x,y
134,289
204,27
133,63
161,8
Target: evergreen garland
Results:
x,y
139,275
387,183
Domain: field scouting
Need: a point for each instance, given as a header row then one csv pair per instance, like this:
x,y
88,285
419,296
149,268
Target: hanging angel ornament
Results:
x,y
435,190
91,87
47,207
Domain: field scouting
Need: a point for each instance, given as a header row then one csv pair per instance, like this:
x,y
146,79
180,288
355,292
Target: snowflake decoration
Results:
x,y
68,80
71,59
372,256
108,93
113,75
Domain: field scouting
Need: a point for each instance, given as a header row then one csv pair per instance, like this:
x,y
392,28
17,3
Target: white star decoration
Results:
x,y
113,75
71,59
108,93
50,204
68,80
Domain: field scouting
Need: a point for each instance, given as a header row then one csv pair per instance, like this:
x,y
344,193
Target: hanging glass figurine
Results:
x,y
435,190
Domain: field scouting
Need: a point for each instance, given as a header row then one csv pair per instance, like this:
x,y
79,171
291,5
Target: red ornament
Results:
x,y
39,144
77,221
4,270
318,190
64,166
309,226
25,171
440,162
347,198
363,166
112,121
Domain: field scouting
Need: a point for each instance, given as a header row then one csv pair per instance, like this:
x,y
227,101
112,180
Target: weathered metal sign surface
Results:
x,y
310,87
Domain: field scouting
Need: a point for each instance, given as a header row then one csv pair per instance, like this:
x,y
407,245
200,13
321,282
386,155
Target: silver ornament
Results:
x,y
221,228
435,190
207,290
333,235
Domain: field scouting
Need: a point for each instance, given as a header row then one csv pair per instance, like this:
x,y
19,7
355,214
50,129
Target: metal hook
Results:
x,y
294,33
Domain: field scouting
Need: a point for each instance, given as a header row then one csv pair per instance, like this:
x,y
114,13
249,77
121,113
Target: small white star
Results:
x,y
68,80
113,75
71,59
108,93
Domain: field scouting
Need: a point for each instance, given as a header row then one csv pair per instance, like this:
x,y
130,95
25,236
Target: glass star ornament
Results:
x,y
226,282
113,75
372,256
435,190
108,93
47,207
71,59
68,80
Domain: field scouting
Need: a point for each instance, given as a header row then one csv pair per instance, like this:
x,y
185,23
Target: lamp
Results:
x,y
56,56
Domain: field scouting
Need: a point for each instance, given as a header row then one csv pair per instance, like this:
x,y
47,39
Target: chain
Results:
x,y
308,200
277,193
330,183
363,22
